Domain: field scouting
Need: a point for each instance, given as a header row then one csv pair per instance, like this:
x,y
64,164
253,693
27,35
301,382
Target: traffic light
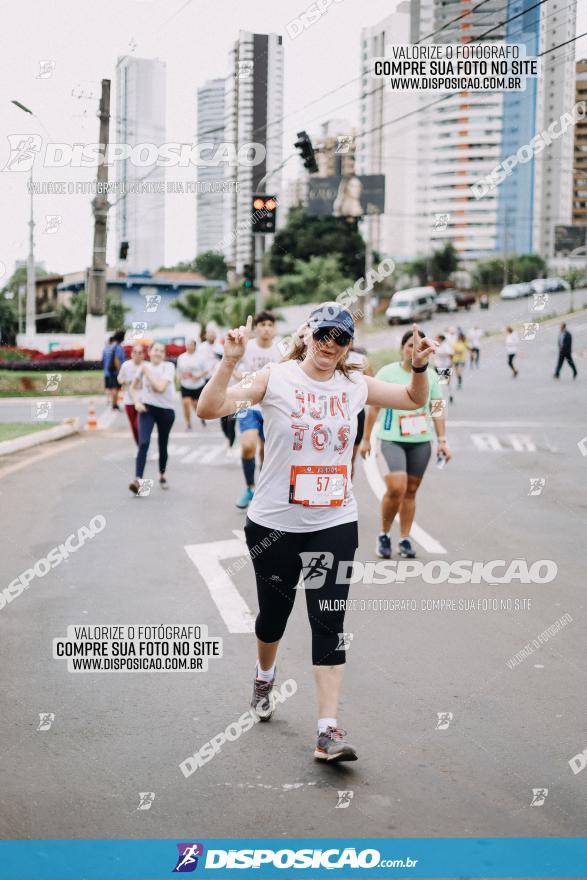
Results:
x,y
264,212
304,145
123,253
248,276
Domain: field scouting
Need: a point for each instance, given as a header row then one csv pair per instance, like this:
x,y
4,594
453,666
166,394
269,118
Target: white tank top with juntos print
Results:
x,y
310,426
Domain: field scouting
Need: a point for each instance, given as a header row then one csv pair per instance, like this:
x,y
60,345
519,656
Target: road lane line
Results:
x,y
211,455
377,484
59,446
207,557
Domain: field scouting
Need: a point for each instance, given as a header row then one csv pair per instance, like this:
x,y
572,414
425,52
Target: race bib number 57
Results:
x,y
318,486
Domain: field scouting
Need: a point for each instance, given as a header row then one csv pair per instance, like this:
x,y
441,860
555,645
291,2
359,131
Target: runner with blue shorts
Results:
x,y
260,351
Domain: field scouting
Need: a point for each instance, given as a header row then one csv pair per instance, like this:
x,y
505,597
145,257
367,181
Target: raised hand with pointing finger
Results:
x,y
235,342
423,348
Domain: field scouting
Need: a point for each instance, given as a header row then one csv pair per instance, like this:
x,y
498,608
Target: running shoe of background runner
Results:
x,y
406,548
332,746
261,700
383,547
245,499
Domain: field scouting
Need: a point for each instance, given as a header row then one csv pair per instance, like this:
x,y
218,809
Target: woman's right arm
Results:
x,y
218,399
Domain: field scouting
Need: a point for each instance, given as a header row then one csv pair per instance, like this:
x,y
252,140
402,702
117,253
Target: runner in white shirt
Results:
x,y
303,518
474,338
126,376
211,349
511,347
260,351
443,363
155,406
193,369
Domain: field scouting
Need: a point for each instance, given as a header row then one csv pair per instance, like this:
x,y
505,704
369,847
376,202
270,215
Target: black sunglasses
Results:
x,y
324,334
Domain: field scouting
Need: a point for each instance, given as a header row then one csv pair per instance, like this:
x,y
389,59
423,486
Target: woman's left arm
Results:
x,y
413,395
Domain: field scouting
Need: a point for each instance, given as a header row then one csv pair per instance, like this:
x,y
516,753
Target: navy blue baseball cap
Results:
x,y
332,315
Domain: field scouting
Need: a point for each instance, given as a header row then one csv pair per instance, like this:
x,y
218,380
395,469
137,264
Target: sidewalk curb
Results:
x,y
70,426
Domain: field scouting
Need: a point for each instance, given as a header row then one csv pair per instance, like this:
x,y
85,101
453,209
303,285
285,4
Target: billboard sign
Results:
x,y
568,239
349,196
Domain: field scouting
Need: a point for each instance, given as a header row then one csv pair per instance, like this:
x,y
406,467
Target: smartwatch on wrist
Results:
x,y
421,369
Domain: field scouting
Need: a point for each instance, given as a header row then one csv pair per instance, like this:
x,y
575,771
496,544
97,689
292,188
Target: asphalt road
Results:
x,y
494,320
115,735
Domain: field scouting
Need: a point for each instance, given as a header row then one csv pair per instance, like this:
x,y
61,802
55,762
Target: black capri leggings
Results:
x,y
278,559
163,418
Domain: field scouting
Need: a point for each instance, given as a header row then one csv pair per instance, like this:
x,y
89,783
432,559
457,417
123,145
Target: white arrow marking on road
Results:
x,y
377,483
233,609
522,442
486,443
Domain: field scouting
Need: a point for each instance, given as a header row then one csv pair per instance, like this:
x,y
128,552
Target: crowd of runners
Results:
x,y
300,411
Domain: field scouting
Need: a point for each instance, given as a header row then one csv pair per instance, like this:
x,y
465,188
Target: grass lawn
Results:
x,y
378,359
18,383
10,430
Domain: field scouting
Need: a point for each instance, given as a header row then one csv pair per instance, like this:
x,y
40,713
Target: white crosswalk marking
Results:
x,y
486,442
207,558
521,443
211,455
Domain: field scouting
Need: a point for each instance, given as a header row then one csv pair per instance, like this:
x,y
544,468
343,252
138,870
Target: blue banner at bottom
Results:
x,y
271,858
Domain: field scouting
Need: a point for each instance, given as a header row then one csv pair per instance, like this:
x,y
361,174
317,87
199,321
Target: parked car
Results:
x,y
412,304
446,302
556,285
463,300
539,285
516,291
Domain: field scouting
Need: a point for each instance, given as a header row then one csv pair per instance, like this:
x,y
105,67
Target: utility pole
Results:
x,y
96,314
30,323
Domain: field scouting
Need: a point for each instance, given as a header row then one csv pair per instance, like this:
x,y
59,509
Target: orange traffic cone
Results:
x,y
92,422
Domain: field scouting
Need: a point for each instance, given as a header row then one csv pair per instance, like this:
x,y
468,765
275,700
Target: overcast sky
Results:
x,y
84,40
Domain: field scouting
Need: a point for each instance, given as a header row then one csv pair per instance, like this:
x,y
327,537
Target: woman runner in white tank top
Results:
x,y
302,521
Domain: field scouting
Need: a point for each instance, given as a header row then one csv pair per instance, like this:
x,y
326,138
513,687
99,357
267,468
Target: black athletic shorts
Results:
x,y
412,458
360,427
194,393
111,382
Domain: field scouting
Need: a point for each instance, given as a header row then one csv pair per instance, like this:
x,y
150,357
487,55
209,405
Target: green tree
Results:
x,y
317,280
444,262
8,319
417,268
304,237
71,318
196,305
575,277
210,264
487,274
526,267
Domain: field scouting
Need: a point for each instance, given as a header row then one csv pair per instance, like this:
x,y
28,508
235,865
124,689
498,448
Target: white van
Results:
x,y
413,304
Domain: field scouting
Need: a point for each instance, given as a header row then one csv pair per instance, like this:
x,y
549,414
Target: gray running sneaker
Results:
x,y
383,549
331,745
262,701
406,548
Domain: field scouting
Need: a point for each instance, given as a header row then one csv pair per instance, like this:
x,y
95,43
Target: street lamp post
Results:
x,y
30,322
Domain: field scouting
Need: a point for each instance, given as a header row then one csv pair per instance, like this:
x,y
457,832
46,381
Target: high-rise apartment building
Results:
x,y
253,104
140,119
209,203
